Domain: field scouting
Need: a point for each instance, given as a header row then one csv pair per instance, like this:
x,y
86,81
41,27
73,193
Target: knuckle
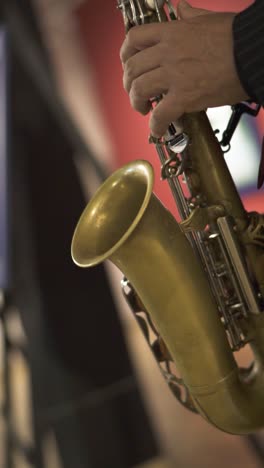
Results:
x,y
125,85
131,36
129,74
137,89
134,102
137,99
133,99
129,68
123,51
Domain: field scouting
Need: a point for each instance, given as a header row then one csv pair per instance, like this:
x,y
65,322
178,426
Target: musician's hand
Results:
x,y
190,61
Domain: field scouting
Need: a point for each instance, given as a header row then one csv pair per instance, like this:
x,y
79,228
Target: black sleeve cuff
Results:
x,y
248,34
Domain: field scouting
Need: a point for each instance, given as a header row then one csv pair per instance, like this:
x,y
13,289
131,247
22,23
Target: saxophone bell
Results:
x,y
127,224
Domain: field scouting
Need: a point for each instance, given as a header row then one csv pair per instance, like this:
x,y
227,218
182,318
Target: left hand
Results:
x,y
189,61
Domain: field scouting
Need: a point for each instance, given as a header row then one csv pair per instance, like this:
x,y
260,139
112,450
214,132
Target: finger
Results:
x,y
167,111
141,63
145,87
186,11
139,38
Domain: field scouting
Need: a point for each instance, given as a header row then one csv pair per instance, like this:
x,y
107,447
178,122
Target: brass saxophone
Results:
x,y
198,285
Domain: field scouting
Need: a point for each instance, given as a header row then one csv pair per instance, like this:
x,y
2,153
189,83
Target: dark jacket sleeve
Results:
x,y
248,33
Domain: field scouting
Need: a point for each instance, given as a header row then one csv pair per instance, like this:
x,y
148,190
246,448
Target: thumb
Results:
x,y
186,11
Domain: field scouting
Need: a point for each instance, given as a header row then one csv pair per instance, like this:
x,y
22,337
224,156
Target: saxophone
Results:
x,y
196,287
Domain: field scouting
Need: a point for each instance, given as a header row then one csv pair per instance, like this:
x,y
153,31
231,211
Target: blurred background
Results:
x,y
79,387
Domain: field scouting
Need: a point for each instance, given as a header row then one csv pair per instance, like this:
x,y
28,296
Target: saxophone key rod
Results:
x,y
227,233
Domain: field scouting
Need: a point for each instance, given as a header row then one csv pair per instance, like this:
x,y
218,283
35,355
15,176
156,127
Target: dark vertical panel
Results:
x,y
82,380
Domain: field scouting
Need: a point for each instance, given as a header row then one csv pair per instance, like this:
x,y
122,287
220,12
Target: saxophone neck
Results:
x,y
209,174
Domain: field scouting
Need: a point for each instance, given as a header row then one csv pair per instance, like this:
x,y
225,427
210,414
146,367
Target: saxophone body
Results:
x,y
198,285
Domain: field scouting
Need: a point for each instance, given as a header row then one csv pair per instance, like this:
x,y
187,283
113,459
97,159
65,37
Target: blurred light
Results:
x,y
243,157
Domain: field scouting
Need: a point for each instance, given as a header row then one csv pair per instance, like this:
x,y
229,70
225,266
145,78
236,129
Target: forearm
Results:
x,y
248,32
